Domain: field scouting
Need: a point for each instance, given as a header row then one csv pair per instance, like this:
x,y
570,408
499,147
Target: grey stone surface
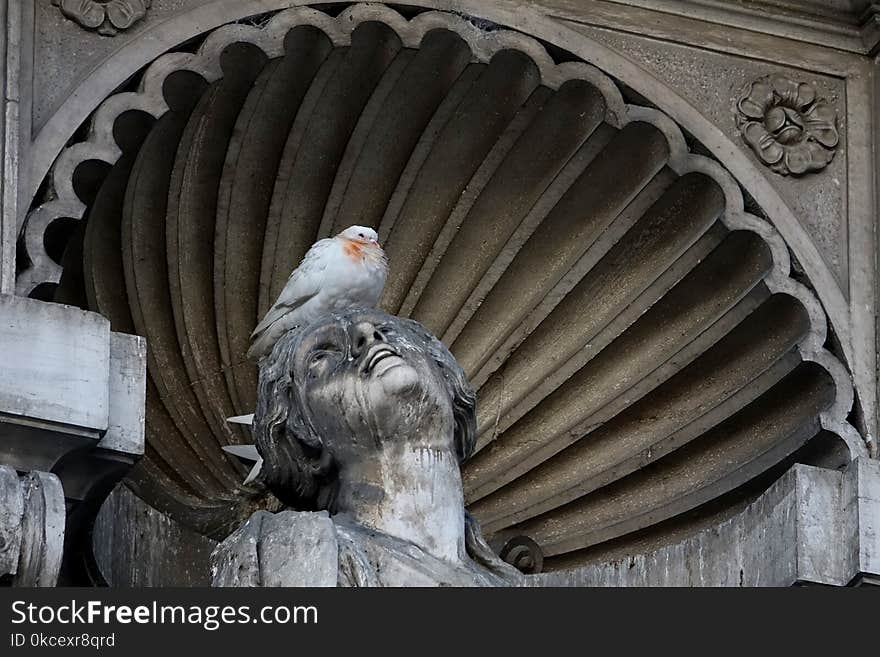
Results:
x,y
867,505
283,549
68,56
71,403
812,526
65,53
713,83
136,545
56,363
10,40
32,518
11,511
43,530
128,399
386,415
63,366
647,236
842,24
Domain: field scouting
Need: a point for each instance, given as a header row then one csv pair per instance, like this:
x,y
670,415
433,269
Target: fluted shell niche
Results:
x,y
639,349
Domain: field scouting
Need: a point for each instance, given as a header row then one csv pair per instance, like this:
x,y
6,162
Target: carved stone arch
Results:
x,y
154,41
639,346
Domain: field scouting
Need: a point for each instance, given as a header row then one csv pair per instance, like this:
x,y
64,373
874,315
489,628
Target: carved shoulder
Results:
x,y
289,548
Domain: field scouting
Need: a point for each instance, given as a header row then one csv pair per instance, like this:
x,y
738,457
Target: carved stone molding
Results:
x,y
107,17
31,527
790,128
848,25
869,27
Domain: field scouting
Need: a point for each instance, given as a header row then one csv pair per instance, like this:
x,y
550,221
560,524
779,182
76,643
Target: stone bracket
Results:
x,y
65,374
72,403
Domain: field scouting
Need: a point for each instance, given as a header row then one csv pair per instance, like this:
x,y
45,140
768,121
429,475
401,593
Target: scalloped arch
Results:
x,y
493,483
156,39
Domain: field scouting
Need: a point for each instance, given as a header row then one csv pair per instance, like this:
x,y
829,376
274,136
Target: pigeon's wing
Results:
x,y
303,284
264,341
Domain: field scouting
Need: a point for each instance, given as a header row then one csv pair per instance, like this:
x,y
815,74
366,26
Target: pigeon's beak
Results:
x,y
374,241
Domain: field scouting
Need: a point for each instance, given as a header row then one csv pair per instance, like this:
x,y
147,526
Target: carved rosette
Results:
x,y
108,17
790,128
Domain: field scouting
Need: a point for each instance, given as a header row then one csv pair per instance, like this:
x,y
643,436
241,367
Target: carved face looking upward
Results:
x,y
364,381
348,386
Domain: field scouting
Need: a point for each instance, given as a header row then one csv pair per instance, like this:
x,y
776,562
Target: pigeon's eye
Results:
x,y
361,235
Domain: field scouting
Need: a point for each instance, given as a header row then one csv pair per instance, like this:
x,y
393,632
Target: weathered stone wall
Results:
x,y
31,527
135,545
703,54
693,60
813,526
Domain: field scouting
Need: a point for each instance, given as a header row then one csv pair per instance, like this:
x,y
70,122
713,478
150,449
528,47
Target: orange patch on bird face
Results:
x,y
353,250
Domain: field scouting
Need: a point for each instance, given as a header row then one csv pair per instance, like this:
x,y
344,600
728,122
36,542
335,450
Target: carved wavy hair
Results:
x,y
297,467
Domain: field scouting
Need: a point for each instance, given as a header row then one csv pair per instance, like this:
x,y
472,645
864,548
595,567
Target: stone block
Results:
x,y
128,381
55,364
868,511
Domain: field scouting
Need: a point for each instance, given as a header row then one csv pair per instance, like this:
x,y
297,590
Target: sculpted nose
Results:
x,y
363,336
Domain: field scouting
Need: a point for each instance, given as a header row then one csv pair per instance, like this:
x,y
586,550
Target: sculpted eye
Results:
x,y
322,357
319,363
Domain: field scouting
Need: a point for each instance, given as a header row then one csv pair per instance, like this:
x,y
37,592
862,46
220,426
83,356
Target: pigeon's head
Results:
x,y
361,234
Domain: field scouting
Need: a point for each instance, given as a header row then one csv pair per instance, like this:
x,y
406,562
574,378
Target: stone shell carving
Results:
x,y
790,128
107,17
638,345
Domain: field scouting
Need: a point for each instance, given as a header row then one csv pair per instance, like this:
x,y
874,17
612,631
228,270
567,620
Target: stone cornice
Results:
x,y
853,29
870,28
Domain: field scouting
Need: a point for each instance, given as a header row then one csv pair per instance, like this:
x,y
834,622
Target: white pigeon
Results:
x,y
336,273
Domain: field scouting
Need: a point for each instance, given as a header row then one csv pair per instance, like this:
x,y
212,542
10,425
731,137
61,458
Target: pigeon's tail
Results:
x,y
263,340
261,345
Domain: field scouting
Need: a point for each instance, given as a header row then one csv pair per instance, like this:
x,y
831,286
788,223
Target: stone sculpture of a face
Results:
x,y
350,384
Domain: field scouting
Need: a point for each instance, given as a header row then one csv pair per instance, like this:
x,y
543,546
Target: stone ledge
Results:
x,y
56,364
813,526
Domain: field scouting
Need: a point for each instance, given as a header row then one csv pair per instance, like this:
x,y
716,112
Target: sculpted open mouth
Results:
x,y
380,359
